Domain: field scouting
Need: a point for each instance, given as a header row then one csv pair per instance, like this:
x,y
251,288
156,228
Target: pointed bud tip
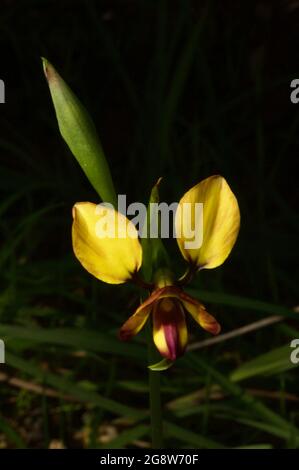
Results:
x,y
124,335
45,66
49,71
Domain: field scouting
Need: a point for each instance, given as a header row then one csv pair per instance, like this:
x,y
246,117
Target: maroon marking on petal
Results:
x,y
169,317
172,340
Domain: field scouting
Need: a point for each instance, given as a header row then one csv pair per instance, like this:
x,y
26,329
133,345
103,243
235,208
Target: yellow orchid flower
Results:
x,y
117,259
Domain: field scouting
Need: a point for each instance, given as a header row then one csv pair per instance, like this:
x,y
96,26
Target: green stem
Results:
x,y
155,398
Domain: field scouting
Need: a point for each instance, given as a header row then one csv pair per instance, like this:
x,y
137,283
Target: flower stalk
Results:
x,y
155,401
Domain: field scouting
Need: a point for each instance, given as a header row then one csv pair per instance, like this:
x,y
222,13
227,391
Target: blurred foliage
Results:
x,y
179,89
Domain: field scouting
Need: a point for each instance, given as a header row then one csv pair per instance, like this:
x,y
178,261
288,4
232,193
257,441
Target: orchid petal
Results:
x,y
169,328
200,315
105,242
206,242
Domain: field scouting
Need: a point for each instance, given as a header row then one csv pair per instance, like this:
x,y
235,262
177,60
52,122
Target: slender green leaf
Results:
x,y
70,388
77,338
242,302
258,409
256,446
273,362
190,437
268,428
128,437
12,435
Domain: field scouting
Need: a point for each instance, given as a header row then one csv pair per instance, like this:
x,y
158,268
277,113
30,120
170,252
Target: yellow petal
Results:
x,y
200,315
105,242
169,328
135,322
220,227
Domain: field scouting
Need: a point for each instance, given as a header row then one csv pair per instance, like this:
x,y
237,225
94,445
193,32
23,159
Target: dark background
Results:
x,y
178,89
